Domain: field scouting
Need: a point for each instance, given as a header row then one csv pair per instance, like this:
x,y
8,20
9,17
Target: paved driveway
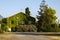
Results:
x,y
24,37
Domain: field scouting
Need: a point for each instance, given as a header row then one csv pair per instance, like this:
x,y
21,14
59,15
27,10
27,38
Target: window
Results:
x,y
12,22
29,22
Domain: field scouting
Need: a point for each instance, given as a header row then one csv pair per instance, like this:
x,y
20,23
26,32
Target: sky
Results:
x,y
11,7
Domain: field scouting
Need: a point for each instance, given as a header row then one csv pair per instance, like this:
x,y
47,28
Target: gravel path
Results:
x,y
23,37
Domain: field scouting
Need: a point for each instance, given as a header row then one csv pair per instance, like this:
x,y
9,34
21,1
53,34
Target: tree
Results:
x,y
4,20
27,11
4,24
46,17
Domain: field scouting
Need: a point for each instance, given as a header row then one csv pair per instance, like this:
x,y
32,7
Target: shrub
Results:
x,y
26,28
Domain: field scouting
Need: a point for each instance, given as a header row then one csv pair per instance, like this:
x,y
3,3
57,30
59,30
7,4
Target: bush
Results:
x,y
26,28
4,27
13,29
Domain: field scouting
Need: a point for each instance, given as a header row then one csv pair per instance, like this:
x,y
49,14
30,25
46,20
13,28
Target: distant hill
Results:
x,y
1,17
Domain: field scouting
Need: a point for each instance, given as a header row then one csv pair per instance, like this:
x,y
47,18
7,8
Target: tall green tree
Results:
x,y
4,24
46,17
27,11
4,20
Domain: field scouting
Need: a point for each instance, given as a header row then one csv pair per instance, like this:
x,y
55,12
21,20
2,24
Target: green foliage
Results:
x,y
4,20
4,24
18,19
13,29
59,25
46,19
4,27
29,18
0,22
27,11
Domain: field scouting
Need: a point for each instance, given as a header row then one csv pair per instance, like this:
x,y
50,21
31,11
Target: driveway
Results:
x,y
24,37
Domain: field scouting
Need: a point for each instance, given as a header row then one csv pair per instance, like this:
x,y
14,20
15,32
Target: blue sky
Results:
x,y
11,7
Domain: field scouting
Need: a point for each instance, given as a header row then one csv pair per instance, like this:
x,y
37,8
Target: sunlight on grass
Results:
x,y
54,37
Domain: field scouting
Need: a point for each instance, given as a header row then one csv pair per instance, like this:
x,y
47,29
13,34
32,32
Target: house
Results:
x,y
20,19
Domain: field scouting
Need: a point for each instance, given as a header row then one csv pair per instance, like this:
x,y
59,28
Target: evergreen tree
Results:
x,y
27,11
46,17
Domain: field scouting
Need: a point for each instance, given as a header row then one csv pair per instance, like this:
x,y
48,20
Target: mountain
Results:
x,y
1,17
